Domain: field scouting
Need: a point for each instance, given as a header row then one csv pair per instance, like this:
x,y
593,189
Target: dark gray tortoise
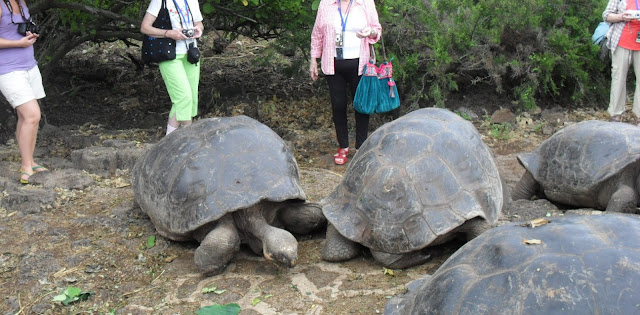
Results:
x,y
415,182
593,164
223,182
584,264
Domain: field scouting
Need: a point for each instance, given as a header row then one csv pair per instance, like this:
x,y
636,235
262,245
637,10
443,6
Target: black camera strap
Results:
x,y
8,4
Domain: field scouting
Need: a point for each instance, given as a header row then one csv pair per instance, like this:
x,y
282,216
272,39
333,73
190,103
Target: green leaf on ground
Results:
x,y
71,295
151,241
217,309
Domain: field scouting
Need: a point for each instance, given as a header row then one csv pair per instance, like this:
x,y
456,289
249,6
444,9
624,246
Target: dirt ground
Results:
x,y
82,228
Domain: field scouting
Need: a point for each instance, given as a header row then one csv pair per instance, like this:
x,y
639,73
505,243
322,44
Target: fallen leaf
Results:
x,y
208,290
532,242
388,272
536,222
151,241
217,309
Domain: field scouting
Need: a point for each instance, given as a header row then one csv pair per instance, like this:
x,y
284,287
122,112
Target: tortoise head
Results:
x,y
280,247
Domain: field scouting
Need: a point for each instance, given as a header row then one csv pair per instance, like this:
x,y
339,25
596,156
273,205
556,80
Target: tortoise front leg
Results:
x,y
526,188
337,247
623,200
218,245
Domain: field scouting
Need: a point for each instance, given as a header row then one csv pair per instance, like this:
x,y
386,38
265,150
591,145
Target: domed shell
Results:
x,y
413,180
585,264
579,157
213,167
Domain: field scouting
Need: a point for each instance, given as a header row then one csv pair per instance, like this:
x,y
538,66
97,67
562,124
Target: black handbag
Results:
x,y
154,49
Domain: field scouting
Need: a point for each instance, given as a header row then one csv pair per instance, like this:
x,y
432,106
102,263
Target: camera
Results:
x,y
189,32
634,14
29,26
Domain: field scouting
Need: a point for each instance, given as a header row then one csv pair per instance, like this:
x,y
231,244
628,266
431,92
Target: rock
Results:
x,y
65,179
105,160
554,115
118,144
503,116
95,160
29,201
80,141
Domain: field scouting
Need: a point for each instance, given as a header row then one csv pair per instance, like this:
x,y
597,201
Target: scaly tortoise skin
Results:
x,y
584,264
593,164
223,182
413,183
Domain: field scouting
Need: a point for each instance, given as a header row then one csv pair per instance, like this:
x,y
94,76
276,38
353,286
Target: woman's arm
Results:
x,y
25,41
146,27
612,15
374,22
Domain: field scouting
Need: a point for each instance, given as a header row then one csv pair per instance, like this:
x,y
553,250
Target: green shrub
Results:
x,y
531,50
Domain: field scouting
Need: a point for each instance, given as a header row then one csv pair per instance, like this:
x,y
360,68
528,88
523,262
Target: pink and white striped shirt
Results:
x,y
323,44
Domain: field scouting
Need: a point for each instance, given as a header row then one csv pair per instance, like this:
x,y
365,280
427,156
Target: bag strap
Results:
x,y
372,54
10,8
384,52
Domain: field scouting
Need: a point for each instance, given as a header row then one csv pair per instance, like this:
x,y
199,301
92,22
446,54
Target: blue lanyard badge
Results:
x,y
188,16
344,20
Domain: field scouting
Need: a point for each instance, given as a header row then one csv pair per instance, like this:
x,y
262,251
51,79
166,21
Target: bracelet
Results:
x,y
165,33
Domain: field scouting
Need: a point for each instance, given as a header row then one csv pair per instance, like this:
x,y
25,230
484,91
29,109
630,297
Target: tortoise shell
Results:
x,y
215,166
584,264
578,158
413,180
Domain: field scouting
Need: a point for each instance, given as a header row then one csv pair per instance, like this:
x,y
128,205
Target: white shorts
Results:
x,y
20,87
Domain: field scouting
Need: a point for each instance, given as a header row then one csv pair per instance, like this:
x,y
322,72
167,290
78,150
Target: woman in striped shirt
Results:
x,y
624,43
341,36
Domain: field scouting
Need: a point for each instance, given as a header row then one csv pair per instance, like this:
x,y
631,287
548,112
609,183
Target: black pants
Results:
x,y
346,74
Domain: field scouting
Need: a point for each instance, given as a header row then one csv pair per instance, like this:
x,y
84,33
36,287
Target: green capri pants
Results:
x,y
181,79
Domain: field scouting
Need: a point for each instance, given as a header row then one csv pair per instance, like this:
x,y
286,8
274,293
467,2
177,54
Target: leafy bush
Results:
x,y
532,49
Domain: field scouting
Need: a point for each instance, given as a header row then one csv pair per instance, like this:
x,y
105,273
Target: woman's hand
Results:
x,y
626,17
175,34
366,32
313,69
199,27
28,40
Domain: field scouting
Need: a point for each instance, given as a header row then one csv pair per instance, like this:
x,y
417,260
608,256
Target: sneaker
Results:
x,y
341,157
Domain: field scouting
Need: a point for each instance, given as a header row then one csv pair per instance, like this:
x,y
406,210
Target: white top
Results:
x,y
356,21
154,8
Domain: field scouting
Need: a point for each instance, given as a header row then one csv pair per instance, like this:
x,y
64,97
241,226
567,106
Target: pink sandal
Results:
x,y
341,157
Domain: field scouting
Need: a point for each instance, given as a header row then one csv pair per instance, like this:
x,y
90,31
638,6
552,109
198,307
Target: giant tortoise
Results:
x,y
576,264
223,182
415,182
593,164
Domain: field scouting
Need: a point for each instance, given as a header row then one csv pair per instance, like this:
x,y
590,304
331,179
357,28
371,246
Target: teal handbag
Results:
x,y
377,91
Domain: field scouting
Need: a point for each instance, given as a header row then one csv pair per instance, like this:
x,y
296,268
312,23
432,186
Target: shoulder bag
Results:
x,y
154,49
377,91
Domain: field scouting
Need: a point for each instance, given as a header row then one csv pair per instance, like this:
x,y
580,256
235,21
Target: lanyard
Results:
x,y
8,4
637,7
182,16
344,20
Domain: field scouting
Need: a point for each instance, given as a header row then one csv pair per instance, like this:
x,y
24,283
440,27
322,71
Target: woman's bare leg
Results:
x,y
26,134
